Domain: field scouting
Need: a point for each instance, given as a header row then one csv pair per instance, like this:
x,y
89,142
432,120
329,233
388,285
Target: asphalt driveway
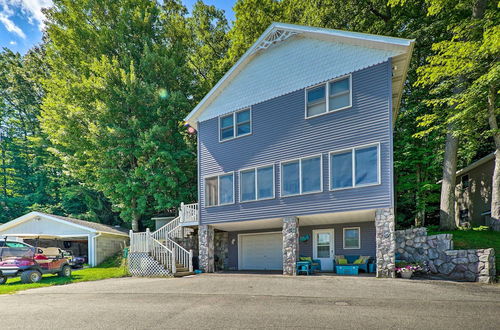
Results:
x,y
254,301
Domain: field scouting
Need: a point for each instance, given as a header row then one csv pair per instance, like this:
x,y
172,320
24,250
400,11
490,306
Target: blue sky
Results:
x,y
21,21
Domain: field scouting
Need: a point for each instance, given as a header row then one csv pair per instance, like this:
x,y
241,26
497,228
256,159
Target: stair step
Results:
x,y
182,269
182,274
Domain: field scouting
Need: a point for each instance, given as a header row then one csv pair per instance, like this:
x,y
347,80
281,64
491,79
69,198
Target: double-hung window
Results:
x,y
235,125
352,238
301,176
257,183
355,167
331,96
219,190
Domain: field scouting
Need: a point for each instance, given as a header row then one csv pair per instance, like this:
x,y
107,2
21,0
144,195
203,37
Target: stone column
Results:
x,y
386,242
290,245
206,243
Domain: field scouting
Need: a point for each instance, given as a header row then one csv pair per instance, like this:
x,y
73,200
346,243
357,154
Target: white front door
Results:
x,y
323,248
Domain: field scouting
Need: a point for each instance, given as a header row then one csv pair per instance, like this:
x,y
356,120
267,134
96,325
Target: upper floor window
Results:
x,y
355,167
332,96
257,183
235,125
219,190
301,176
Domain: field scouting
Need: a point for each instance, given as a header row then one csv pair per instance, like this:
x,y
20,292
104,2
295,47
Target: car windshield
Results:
x,y
16,252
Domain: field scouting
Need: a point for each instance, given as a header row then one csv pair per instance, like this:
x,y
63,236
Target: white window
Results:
x,y
219,190
301,176
352,238
235,125
257,183
355,167
332,96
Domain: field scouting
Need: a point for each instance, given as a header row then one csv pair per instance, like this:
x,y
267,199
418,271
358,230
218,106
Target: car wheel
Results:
x,y
65,271
31,276
3,279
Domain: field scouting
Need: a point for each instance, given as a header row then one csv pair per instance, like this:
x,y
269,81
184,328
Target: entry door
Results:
x,y
323,247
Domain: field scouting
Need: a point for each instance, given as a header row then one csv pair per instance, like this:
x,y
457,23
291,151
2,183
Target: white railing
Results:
x,y
161,244
189,213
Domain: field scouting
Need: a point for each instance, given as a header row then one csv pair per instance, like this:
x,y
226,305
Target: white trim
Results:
x,y
300,175
367,40
35,214
353,153
251,234
315,242
218,175
235,124
255,168
327,96
343,238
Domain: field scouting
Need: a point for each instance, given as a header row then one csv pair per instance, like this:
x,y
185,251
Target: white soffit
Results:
x,y
289,57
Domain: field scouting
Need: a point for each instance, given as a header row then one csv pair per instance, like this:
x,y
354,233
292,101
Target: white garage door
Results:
x,y
261,251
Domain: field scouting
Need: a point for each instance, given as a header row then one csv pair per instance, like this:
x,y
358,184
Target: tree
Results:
x,y
115,99
467,64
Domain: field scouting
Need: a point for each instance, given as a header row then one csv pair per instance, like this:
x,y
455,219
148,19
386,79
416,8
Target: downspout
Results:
x,y
94,249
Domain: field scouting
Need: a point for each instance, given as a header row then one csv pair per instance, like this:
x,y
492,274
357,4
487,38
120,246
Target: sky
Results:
x,y
21,21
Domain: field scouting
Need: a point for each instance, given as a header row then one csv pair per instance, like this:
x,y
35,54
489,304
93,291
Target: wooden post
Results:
x,y
131,236
191,260
181,212
148,234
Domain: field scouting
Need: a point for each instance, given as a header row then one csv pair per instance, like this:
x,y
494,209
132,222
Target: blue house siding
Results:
x,y
280,132
367,248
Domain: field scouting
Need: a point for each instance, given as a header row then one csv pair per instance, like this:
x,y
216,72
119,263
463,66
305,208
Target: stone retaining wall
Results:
x,y
437,254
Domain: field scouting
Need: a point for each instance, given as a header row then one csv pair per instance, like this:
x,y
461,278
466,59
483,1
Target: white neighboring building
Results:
x,y
97,240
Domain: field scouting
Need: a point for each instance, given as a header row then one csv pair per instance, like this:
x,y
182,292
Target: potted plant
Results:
x,y
406,270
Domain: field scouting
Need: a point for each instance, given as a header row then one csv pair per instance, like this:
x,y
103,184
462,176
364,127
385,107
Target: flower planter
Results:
x,y
407,275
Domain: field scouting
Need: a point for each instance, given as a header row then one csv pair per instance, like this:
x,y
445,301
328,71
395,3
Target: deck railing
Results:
x,y
188,213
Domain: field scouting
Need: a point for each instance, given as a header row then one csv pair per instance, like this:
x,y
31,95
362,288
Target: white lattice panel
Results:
x,y
142,264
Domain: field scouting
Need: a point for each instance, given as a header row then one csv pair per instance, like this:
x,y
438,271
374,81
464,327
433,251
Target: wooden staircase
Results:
x,y
181,271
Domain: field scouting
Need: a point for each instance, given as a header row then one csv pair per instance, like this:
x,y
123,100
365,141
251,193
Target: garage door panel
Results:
x,y
261,252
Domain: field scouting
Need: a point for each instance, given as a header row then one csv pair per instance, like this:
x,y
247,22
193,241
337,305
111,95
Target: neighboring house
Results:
x,y
473,192
84,238
295,154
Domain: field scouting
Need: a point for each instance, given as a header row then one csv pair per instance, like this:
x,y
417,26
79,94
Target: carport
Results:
x,y
96,240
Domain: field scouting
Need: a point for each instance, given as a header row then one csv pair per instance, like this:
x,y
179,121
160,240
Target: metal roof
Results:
x,y
277,64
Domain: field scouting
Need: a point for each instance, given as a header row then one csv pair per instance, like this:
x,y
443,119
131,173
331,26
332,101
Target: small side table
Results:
x,y
303,267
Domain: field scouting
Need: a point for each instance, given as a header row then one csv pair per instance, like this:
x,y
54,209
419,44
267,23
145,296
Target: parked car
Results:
x,y
74,261
30,263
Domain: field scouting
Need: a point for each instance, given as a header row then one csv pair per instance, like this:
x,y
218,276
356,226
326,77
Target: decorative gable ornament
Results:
x,y
274,38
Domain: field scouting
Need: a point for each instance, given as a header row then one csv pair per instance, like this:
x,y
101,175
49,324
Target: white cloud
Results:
x,y
12,42
30,9
11,26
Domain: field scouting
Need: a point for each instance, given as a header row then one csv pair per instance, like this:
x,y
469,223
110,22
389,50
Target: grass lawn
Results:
x,y
111,268
474,239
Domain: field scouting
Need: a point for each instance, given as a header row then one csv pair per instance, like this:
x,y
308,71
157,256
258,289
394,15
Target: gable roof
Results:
x,y
276,64
475,164
93,227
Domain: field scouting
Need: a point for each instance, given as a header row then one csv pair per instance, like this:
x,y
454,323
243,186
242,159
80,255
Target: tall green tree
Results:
x,y
463,72
115,99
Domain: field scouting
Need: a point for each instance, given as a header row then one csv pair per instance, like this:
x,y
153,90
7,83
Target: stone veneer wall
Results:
x,y
385,241
437,254
290,245
221,250
206,251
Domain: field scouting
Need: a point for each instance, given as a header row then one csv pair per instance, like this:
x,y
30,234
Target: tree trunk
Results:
x,y
495,190
447,206
420,214
135,216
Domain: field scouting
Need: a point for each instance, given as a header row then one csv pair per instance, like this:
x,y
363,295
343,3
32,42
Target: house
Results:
x,y
84,238
473,193
295,155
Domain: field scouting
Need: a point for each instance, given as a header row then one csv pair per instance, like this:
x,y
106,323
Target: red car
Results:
x,y
30,263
